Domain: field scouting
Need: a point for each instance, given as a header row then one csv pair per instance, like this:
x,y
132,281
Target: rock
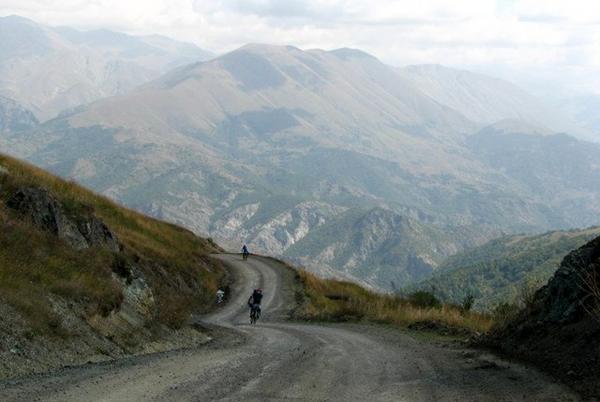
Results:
x,y
559,332
562,299
80,230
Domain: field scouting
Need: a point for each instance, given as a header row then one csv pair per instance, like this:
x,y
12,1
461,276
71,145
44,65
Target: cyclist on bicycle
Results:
x,y
245,252
254,301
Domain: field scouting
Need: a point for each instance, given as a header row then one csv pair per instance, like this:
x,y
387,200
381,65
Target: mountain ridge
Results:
x,y
52,69
237,148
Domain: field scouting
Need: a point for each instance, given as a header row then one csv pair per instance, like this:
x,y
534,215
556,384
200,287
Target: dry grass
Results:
x,y
35,265
331,300
590,283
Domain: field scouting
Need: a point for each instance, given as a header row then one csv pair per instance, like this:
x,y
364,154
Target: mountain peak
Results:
x,y
17,19
347,53
266,48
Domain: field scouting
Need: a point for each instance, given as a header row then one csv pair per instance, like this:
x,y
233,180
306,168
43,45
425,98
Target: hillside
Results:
x,y
49,70
267,143
559,329
380,248
82,278
485,99
498,271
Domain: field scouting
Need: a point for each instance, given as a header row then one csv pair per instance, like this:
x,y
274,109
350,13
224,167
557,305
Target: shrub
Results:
x,y
467,303
504,313
526,295
591,286
422,298
174,310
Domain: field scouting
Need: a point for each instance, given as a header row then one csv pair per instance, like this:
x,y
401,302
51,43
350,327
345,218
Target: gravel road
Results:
x,y
277,361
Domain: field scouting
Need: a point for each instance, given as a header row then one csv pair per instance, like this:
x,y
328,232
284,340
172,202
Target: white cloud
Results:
x,y
552,38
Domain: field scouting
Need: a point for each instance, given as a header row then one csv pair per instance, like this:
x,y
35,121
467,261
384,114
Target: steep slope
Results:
x,y
382,248
498,271
559,330
266,144
82,278
49,70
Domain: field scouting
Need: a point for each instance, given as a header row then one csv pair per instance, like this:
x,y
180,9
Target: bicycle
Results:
x,y
254,313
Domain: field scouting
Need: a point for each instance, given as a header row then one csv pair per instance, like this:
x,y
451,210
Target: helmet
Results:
x,y
259,290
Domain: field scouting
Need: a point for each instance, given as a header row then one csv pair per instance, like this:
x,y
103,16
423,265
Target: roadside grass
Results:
x,y
333,300
35,265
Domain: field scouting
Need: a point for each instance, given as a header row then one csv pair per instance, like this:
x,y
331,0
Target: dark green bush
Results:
x,y
422,298
467,303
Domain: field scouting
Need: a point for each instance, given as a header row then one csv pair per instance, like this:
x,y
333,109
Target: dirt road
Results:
x,y
276,361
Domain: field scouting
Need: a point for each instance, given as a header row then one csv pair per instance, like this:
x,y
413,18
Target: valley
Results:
x,y
256,146
418,186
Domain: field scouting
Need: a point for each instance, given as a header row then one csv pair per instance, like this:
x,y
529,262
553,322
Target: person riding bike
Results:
x,y
245,252
220,296
254,304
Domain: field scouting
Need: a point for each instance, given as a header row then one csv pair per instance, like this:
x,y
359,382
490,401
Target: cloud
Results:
x,y
555,38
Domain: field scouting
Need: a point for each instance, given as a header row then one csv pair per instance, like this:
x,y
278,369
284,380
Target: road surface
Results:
x,y
282,361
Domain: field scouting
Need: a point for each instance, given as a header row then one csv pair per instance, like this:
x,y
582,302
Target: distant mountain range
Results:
x,y
487,100
48,70
330,158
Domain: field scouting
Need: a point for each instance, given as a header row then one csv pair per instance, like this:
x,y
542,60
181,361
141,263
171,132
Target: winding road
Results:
x,y
279,361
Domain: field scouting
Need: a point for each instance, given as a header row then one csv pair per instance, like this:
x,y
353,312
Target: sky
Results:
x,y
544,45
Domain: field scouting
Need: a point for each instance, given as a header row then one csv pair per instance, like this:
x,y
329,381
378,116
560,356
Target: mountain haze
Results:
x,y
281,147
486,100
49,70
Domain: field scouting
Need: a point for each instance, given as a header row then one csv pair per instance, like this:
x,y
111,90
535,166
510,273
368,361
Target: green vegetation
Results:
x,y
332,300
505,269
37,267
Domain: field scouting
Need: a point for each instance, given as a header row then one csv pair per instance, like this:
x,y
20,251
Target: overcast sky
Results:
x,y
532,41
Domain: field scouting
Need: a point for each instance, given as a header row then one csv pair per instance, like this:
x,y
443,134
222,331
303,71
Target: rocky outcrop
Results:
x,y
79,228
569,296
560,330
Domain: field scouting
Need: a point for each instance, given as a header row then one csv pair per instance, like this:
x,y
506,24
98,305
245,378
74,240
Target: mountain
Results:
x,y
49,70
557,168
14,117
487,100
82,278
267,144
380,247
499,270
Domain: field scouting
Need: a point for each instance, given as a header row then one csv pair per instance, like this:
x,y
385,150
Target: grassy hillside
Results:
x,y
503,268
39,271
333,300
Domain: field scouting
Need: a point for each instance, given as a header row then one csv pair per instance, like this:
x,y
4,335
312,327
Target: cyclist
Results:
x,y
220,296
245,252
254,304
